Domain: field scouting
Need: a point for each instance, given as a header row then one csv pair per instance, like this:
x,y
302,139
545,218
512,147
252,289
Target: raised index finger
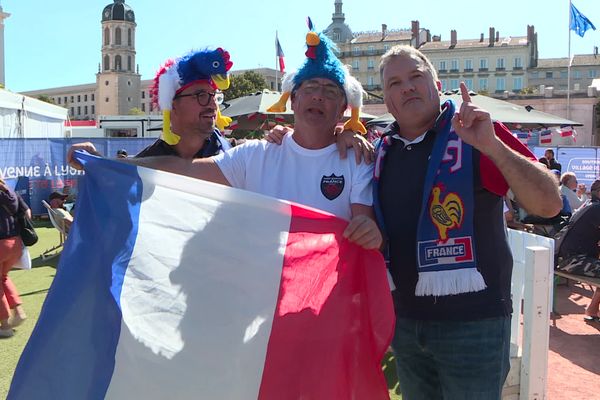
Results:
x,y
464,92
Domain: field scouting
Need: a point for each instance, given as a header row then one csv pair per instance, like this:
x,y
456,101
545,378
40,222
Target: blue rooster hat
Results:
x,y
321,62
207,65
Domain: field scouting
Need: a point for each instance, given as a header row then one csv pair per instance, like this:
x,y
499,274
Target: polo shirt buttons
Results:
x,y
408,147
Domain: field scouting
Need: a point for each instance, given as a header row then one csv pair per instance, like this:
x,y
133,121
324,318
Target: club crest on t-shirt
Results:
x,y
332,186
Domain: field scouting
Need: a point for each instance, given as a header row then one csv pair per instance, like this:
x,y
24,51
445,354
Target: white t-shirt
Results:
x,y
317,178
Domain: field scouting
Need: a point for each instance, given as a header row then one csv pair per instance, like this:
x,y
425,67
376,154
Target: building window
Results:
x,y
535,75
129,37
355,65
144,93
128,83
371,81
78,110
386,47
106,99
549,74
92,96
593,73
356,51
576,74
371,49
370,63
517,83
500,63
59,100
93,109
469,65
85,110
144,105
85,97
118,36
72,110
65,99
106,36
454,65
453,84
469,83
500,84
129,99
128,63
483,84
79,98
563,74
336,36
72,99
444,85
518,63
118,63
442,66
483,63
106,63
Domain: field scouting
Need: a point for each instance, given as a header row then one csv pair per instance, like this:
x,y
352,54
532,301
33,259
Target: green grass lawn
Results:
x,y
33,286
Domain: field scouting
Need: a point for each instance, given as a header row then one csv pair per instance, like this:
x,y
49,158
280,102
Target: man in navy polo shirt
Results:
x,y
440,176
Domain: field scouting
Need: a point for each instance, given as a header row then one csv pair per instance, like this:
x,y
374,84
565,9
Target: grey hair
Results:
x,y
409,51
566,177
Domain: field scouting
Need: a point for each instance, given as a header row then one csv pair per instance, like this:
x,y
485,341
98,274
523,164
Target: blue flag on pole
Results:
x,y
579,22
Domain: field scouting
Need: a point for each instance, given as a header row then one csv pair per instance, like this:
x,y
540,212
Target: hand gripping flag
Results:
x,y
175,288
579,22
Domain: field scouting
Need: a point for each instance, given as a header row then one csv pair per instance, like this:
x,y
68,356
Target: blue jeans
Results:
x,y
452,360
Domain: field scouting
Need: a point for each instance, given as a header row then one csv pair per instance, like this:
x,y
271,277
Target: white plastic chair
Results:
x,y
60,227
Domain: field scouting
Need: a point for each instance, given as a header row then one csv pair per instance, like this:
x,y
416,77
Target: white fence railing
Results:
x,y
532,285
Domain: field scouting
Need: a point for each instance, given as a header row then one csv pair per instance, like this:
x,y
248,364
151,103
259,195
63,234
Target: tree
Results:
x,y
45,98
242,85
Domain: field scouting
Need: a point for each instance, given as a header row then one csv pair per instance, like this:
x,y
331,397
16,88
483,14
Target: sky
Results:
x,y
51,43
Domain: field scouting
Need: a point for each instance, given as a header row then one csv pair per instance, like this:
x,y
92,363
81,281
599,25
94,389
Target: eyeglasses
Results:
x,y
331,92
203,97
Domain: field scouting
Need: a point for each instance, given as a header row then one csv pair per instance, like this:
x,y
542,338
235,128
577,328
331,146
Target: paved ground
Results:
x,y
574,355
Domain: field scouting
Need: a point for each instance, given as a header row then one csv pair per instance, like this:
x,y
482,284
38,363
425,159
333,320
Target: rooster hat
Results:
x,y
176,75
321,62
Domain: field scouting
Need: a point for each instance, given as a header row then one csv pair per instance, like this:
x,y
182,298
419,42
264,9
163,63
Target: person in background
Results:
x,y
122,153
63,217
578,251
568,187
549,161
11,248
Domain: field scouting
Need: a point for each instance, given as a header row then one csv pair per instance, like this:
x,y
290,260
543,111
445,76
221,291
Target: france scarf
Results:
x,y
445,245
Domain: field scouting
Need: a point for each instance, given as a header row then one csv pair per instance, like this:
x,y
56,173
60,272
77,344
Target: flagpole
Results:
x,y
276,59
569,69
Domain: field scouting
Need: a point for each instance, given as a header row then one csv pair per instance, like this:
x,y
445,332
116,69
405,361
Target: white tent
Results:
x,y
26,117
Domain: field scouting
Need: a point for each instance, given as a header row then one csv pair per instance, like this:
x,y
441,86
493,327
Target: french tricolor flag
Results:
x,y
546,136
174,288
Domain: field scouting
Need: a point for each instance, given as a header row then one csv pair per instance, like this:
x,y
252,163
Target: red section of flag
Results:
x,y
566,133
546,140
334,318
280,55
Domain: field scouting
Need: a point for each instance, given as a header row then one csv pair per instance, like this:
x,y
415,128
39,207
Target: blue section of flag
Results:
x,y
72,348
579,22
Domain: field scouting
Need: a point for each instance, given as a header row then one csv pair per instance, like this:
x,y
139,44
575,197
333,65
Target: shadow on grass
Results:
x,y
34,292
389,370
47,262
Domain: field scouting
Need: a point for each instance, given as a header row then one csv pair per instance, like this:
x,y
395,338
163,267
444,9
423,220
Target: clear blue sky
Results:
x,y
52,43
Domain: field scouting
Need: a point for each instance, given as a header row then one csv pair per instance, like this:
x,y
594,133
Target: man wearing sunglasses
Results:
x,y
189,90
